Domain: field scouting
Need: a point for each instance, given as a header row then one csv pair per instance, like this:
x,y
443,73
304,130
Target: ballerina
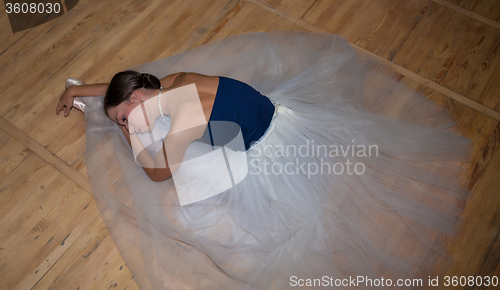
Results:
x,y
310,188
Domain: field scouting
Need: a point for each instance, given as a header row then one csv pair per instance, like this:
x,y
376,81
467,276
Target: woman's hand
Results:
x,y
66,101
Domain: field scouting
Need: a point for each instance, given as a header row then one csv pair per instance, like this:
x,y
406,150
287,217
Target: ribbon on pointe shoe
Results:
x,y
77,103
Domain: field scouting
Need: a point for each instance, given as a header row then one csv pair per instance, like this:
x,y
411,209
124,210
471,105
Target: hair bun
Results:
x,y
150,81
124,83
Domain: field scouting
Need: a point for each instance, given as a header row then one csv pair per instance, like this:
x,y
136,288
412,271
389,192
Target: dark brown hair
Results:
x,y
124,83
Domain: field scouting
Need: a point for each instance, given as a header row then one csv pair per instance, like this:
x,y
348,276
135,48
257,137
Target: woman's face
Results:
x,y
132,114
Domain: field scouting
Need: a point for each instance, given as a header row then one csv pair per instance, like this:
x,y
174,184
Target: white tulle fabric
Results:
x,y
389,222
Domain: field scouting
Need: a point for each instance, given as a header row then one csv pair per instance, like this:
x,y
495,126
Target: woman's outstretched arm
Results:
x,y
66,100
96,90
89,90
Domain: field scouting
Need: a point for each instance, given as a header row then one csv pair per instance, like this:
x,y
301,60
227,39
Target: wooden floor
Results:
x,y
51,233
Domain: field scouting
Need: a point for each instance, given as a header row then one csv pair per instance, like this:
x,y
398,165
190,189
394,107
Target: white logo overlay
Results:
x,y
199,175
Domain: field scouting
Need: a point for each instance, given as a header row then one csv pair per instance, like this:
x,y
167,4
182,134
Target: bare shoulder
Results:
x,y
195,77
203,82
168,81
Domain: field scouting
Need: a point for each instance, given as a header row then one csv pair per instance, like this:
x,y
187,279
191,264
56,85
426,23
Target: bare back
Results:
x,y
205,85
188,120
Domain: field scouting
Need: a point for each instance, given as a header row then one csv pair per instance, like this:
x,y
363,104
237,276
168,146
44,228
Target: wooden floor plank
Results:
x,y
428,39
479,9
45,217
476,250
49,157
38,43
88,258
11,188
12,153
57,52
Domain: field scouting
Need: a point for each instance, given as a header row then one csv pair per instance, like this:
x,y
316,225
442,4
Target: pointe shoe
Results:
x,y
77,103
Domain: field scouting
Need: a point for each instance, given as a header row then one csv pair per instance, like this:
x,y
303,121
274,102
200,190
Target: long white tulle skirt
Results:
x,y
356,177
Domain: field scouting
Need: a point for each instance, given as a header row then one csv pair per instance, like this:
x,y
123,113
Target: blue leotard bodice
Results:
x,y
238,103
